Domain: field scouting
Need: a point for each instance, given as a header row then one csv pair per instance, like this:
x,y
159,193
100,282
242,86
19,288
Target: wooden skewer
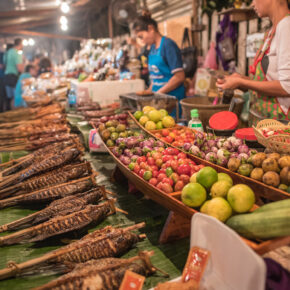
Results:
x,y
111,193
121,211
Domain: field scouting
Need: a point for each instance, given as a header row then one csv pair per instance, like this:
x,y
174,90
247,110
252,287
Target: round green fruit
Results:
x,y
207,176
193,195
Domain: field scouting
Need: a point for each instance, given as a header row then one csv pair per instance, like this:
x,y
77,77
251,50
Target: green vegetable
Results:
x,y
281,204
263,225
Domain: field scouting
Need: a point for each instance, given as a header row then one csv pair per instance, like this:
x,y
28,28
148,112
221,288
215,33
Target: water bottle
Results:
x,y
195,122
72,98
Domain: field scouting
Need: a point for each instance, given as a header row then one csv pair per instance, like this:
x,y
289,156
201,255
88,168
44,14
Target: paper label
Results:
x,y
132,281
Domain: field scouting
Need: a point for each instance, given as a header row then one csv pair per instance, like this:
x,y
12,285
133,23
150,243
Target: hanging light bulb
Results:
x,y
58,2
64,27
31,42
63,20
25,42
64,7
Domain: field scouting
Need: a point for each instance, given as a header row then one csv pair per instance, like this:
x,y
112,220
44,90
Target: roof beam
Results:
x,y
41,34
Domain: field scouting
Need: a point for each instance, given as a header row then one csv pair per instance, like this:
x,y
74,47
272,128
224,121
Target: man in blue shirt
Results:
x,y
13,66
165,63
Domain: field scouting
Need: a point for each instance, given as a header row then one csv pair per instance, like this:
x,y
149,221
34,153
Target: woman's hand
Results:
x,y
232,82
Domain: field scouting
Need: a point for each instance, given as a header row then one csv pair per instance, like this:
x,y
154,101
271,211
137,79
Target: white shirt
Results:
x,y
279,60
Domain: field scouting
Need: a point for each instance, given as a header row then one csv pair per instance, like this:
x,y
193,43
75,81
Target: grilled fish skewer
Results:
x,y
60,207
107,242
51,193
46,164
61,224
56,176
101,274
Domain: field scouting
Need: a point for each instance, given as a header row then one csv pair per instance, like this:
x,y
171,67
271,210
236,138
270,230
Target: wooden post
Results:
x,y
110,21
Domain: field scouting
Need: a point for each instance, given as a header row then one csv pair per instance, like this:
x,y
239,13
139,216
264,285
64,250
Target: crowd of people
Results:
x,y
14,68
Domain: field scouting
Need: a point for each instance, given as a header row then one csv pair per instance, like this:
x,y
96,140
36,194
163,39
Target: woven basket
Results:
x,y
278,143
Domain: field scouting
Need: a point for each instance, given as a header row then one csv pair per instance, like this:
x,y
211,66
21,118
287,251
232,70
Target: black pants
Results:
x,y
4,104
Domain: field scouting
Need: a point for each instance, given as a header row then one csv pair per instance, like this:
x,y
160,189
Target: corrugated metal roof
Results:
x,y
165,9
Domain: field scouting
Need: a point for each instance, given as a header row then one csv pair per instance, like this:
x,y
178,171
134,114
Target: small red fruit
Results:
x,y
155,173
151,161
159,186
167,188
165,132
184,169
184,178
175,177
141,159
153,181
167,180
159,162
168,139
181,155
143,165
161,176
141,172
179,185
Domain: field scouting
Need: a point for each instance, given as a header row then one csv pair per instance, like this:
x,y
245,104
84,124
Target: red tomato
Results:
x,y
174,164
155,173
166,158
141,159
159,185
151,161
184,178
136,168
167,180
143,165
181,155
153,181
184,169
165,132
141,172
161,176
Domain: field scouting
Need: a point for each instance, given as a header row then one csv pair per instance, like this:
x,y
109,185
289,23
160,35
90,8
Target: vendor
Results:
x,y
270,87
164,60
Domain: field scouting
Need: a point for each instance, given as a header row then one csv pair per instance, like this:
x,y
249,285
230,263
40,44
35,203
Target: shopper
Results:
x,y
270,87
30,71
164,60
45,65
13,66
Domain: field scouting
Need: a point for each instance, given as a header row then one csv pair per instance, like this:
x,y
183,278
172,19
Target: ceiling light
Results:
x,y
64,7
63,20
31,41
58,2
25,42
64,27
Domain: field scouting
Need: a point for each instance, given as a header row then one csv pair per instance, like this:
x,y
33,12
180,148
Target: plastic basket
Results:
x,y
278,143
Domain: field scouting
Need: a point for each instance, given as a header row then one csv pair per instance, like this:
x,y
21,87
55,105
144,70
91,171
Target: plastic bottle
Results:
x,y
195,122
72,98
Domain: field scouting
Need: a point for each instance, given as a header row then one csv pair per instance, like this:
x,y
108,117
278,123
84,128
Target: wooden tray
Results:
x,y
260,189
173,203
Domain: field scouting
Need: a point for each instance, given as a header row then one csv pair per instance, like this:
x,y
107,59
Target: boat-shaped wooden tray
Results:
x,y
173,203
260,188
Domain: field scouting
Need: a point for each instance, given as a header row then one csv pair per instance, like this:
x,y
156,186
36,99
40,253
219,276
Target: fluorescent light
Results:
x,y
31,41
64,7
64,27
63,20
25,42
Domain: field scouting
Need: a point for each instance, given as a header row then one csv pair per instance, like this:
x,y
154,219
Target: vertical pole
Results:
x,y
110,21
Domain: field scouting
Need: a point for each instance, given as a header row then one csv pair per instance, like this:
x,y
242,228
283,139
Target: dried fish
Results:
x,y
49,163
51,193
61,224
104,243
56,176
59,207
106,273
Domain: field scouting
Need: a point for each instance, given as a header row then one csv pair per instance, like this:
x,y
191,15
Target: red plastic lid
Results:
x,y
246,133
223,121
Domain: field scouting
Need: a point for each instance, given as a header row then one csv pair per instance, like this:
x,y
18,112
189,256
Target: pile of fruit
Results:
x,y
166,168
153,119
121,118
215,195
267,132
113,129
176,137
272,169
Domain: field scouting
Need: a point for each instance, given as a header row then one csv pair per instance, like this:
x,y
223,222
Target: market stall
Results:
x,y
108,183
